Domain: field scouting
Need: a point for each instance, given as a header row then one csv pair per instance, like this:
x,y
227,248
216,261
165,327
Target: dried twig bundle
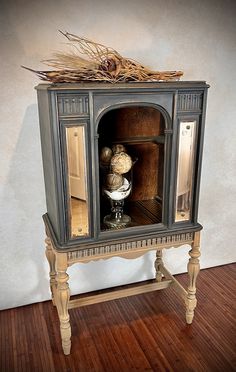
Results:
x,y
103,64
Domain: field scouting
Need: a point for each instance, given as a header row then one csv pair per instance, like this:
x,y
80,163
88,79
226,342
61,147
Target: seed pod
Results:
x,y
106,155
118,148
121,163
113,181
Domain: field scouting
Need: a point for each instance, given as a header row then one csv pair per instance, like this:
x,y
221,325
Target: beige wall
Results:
x,y
195,36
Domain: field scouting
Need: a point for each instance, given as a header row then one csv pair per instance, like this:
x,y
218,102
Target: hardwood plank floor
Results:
x,y
143,333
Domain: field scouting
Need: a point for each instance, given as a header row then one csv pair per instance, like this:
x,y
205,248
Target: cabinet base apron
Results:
x,y
60,261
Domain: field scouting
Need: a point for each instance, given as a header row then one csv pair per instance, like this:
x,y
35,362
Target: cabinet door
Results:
x,y
132,165
77,181
76,161
185,170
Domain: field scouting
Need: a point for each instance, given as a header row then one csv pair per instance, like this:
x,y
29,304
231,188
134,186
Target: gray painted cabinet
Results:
x,y
162,127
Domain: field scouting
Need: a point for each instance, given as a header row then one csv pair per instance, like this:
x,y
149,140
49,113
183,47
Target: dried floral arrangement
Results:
x,y
102,64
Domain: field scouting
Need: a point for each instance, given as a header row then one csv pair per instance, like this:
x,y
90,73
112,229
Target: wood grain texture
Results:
x,y
145,171
62,297
145,212
193,271
132,126
146,332
132,121
120,293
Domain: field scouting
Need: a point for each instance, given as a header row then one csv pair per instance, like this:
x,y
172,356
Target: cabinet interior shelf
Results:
x,y
142,212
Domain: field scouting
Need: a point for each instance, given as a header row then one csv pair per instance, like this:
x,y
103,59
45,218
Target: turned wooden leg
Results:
x,y
193,270
51,260
158,264
62,300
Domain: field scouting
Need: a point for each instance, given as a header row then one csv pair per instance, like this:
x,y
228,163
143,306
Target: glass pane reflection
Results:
x,y
77,174
185,170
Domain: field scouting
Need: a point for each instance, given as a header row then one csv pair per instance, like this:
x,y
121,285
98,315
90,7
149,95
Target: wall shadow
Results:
x,y
23,203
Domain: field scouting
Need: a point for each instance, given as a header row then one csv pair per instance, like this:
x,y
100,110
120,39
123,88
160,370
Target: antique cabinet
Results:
x,y
160,126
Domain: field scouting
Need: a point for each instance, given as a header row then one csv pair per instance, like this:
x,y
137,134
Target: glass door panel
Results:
x,y
186,153
77,181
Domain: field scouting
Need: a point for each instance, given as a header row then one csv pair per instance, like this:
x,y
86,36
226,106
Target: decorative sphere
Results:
x,y
121,163
114,181
118,148
106,155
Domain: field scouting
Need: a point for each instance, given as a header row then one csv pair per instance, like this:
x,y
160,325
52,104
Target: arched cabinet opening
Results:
x,y
131,152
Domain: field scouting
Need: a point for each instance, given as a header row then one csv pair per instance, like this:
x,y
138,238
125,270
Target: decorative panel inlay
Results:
x,y
189,101
171,240
73,105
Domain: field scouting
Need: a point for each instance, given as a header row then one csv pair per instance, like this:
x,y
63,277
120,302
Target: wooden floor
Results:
x,y
143,333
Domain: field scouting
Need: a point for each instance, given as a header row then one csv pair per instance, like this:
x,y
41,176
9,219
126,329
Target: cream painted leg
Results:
x,y
51,260
193,270
158,264
62,300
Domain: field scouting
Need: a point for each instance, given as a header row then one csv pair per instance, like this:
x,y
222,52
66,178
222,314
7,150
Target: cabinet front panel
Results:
x,y
76,174
77,180
73,105
186,155
151,187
